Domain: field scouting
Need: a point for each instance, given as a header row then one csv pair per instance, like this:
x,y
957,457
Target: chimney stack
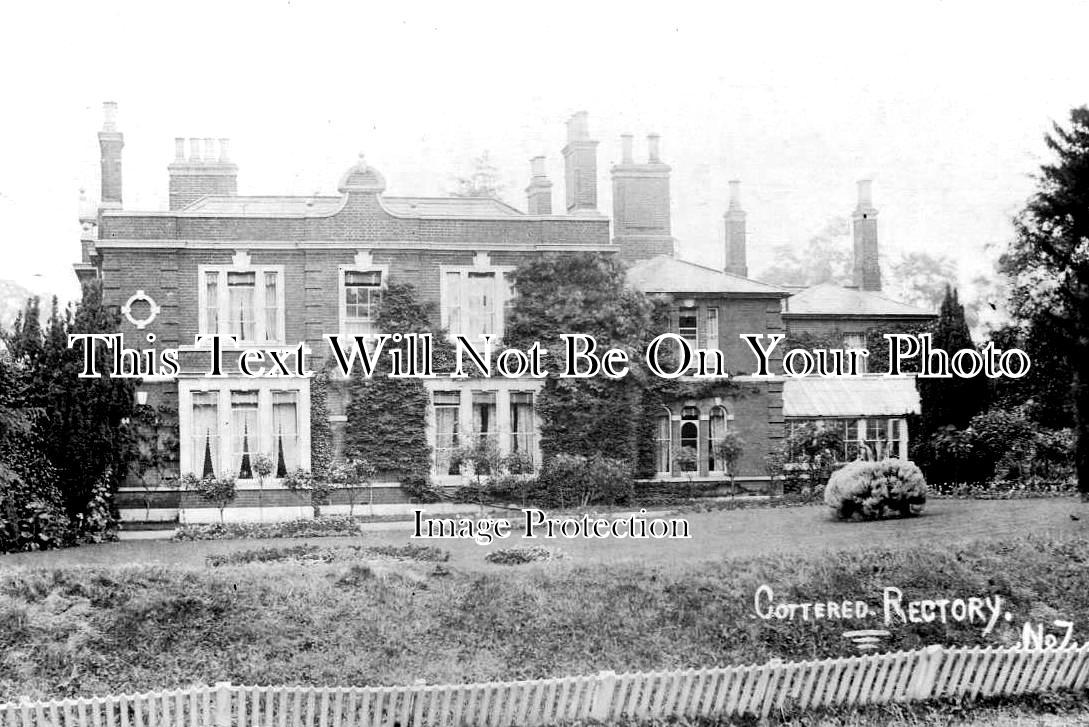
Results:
x,y
580,166
110,143
867,268
539,191
735,233
641,218
204,173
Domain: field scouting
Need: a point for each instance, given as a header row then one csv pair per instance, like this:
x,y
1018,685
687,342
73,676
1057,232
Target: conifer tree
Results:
x,y
953,401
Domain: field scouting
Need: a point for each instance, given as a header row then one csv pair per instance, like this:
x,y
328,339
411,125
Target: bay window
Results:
x,y
225,426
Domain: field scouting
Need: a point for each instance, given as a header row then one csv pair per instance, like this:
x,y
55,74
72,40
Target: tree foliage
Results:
x,y
586,293
387,416
483,181
953,401
1049,262
825,258
83,428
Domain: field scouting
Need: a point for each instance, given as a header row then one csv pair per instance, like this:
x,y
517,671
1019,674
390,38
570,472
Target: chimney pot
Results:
x,y
735,194
194,149
578,127
209,149
179,149
652,147
109,116
537,166
865,193
625,149
224,150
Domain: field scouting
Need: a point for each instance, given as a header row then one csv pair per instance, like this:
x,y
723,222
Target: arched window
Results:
x,y
690,438
716,432
663,441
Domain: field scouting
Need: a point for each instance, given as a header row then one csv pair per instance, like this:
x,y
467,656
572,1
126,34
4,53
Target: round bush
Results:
x,y
870,490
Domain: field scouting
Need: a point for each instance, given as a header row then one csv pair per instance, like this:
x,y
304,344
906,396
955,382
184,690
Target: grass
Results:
x,y
715,535
108,629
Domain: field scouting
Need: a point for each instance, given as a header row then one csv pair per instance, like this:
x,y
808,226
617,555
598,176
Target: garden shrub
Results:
x,y
871,490
805,460
573,480
998,446
220,491
523,554
329,525
324,554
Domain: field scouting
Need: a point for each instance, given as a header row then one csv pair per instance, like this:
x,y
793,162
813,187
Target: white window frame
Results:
x,y
719,466
503,293
264,439
259,302
342,292
855,340
503,389
668,471
712,327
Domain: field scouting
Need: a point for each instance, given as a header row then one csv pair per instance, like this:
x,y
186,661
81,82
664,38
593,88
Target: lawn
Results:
x,y
144,615
715,536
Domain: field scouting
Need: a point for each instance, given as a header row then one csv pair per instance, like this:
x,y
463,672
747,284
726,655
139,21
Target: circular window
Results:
x,y
140,309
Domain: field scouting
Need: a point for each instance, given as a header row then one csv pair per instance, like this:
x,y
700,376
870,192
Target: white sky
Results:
x,y
944,105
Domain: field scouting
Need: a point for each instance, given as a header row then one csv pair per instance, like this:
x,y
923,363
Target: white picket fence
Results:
x,y
872,679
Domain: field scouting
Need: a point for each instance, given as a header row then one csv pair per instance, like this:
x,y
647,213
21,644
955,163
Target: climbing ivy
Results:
x,y
321,433
387,417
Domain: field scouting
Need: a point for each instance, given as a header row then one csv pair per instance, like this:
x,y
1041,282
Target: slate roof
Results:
x,y
848,396
828,299
665,274
235,206
450,207
310,206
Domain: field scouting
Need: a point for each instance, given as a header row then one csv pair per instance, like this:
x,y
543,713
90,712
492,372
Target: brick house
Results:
x,y
281,272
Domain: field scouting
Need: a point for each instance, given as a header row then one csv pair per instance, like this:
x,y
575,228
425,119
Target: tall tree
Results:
x,y
825,258
82,429
483,181
953,401
1049,262
920,279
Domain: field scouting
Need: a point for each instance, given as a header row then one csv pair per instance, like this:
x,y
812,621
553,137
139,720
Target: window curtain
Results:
x,y
521,423
272,307
663,441
285,427
205,434
211,302
244,433
716,432
446,431
484,423
240,305
480,300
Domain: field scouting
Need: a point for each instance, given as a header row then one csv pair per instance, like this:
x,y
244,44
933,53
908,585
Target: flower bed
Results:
x,y
318,554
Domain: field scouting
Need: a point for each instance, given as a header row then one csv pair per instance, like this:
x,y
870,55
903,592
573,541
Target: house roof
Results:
x,y
450,207
848,396
828,299
311,206
665,274
281,206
